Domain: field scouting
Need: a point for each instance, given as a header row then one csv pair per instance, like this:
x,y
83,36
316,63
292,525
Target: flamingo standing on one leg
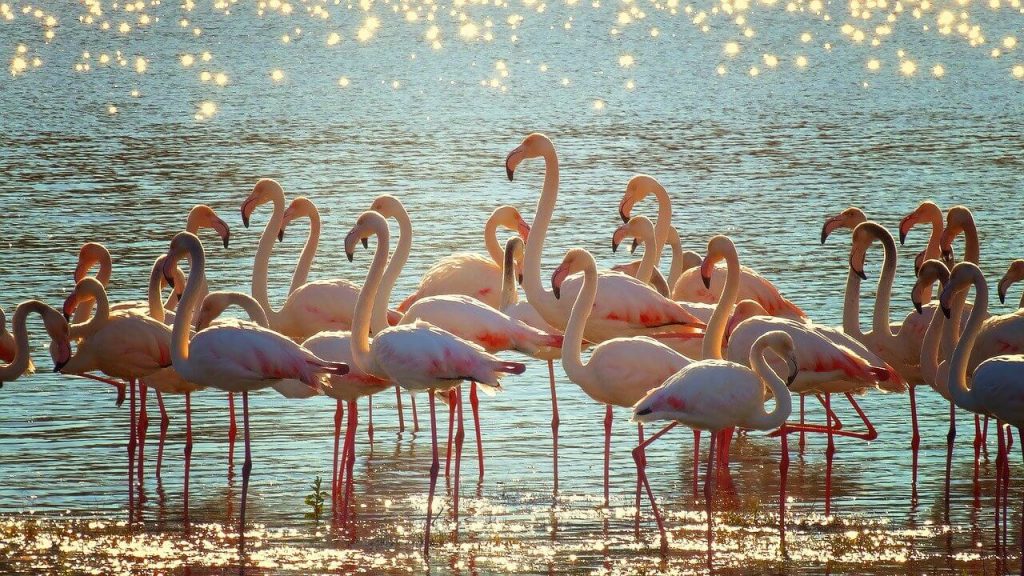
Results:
x,y
420,357
621,370
234,358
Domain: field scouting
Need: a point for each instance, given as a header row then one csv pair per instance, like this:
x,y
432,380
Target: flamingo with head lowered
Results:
x,y
234,358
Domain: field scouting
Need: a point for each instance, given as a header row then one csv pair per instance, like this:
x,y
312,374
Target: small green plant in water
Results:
x,y
315,500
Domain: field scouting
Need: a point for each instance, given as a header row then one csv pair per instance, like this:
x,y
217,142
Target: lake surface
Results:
x,y
759,126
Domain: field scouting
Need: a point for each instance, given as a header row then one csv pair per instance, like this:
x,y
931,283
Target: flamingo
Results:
x,y
624,306
643,232
927,212
521,310
682,260
418,356
471,274
234,358
1014,274
959,220
717,395
17,358
313,307
9,348
620,370
996,383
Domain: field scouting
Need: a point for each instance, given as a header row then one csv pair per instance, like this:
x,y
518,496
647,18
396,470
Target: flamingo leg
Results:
x,y
1020,436
783,477
640,458
607,449
460,435
434,467
696,459
641,464
143,427
999,485
802,440
1006,482
474,403
398,405
164,423
232,432
915,440
984,438
246,469
709,491
451,434
415,415
119,385
977,456
131,448
350,444
188,447
369,418
950,438
554,421
830,451
335,472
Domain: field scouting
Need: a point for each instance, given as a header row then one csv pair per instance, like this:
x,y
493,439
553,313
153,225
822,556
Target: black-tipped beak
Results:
x,y
366,242
643,412
169,280
794,370
558,291
824,232
509,171
633,247
227,239
58,365
706,280
350,255
623,215
917,306
67,315
947,257
280,235
945,310
615,246
245,219
858,271
903,236
1002,292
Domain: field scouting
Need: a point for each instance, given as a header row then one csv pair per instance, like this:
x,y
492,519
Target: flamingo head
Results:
x,y
515,250
744,310
91,254
575,260
534,145
1013,274
639,227
719,248
183,244
930,271
849,218
87,289
60,336
863,236
300,207
638,188
266,190
202,216
958,218
509,218
213,306
962,274
369,224
785,348
924,212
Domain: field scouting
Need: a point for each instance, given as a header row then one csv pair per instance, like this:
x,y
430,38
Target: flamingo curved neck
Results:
x,y
379,318
675,269
248,304
186,309
933,250
83,312
761,419
652,252
156,308
958,390
261,264
97,321
880,319
19,364
711,347
491,240
542,300
972,248
572,344
305,262
360,339
662,225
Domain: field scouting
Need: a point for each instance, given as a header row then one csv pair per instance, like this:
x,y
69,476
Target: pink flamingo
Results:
x,y
234,358
419,356
621,370
995,385
717,395
19,362
1014,274
9,348
682,260
471,274
927,212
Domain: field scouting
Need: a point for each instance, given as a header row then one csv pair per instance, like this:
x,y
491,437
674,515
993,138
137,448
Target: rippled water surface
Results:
x,y
759,118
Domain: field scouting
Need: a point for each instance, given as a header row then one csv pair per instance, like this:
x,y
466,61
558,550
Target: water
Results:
x,y
118,156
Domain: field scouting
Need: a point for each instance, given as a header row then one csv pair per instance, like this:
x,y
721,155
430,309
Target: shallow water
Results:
x,y
761,157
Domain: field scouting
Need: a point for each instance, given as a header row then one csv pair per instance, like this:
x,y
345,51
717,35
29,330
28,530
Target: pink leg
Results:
x,y
369,418
415,415
950,438
232,432
434,468
398,404
188,447
336,473
143,427
164,423
451,434
999,485
640,458
1006,481
783,476
246,469
984,438
1020,436
977,455
350,445
554,421
119,385
696,460
641,464
474,403
709,493
915,439
460,435
132,433
607,449
830,451
802,441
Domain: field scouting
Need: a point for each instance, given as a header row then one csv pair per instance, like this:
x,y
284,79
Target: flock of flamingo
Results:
x,y
706,347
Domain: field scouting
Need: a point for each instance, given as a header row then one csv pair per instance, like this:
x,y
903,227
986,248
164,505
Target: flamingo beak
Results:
x,y
63,355
707,267
222,230
1003,286
69,306
557,278
794,370
858,271
512,160
617,237
829,226
625,208
168,270
917,302
906,224
944,300
524,229
634,246
247,208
